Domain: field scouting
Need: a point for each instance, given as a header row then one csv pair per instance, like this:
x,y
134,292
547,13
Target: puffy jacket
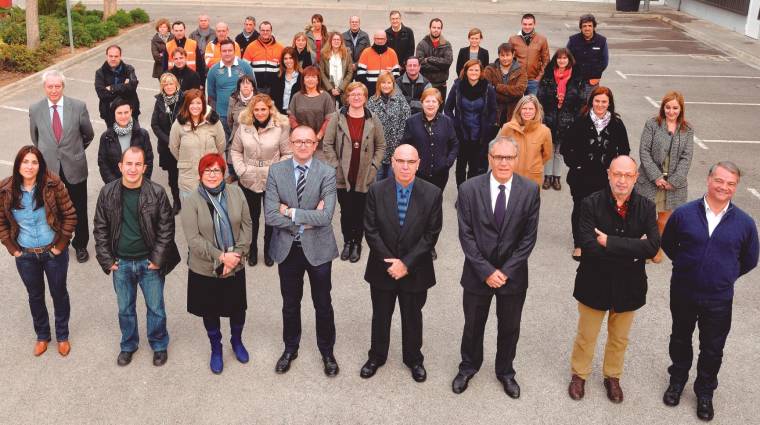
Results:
x,y
435,61
507,94
338,149
403,44
59,213
413,90
560,120
488,118
156,225
534,141
252,151
437,150
534,56
161,123
109,152
392,117
265,61
123,83
189,146
591,57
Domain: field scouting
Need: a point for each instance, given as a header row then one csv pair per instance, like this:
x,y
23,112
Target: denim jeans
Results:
x,y
384,172
31,268
125,281
532,87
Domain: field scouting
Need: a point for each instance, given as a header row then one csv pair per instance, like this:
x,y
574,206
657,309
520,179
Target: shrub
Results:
x,y
97,31
139,16
14,57
13,32
121,18
111,28
82,37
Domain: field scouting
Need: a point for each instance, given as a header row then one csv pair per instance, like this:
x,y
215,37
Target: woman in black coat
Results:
x,y
168,103
560,92
290,77
125,133
592,142
473,51
433,135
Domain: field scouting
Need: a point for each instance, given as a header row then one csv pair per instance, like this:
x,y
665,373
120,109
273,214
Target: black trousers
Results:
x,y
714,321
214,322
439,179
291,287
352,214
575,217
471,161
441,88
410,304
174,184
78,195
255,202
508,314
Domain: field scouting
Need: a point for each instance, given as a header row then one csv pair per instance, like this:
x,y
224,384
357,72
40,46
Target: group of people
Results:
x,y
247,125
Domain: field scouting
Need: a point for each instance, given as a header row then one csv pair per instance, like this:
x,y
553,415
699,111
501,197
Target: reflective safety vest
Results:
x,y
191,46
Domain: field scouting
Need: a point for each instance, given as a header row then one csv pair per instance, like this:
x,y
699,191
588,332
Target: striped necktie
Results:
x,y
403,204
301,184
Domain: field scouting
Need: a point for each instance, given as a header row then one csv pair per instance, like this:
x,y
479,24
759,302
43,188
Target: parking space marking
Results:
x,y
740,77
137,60
717,58
656,103
651,39
739,142
4,162
699,143
753,191
93,82
621,75
613,26
652,101
17,109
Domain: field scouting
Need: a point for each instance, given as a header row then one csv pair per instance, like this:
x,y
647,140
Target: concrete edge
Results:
x,y
13,88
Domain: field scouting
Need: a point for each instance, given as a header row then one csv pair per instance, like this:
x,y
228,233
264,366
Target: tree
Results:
x,y
32,25
109,8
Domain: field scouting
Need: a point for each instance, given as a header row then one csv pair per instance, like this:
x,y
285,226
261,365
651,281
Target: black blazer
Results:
x,y
277,91
464,56
411,243
486,247
614,277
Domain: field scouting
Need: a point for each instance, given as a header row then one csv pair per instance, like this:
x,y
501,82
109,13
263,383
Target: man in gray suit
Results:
x,y
498,223
299,204
61,129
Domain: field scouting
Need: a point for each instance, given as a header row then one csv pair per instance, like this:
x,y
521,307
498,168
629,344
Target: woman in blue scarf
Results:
x,y
217,226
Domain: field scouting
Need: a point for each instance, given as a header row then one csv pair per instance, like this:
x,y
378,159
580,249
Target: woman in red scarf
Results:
x,y
561,96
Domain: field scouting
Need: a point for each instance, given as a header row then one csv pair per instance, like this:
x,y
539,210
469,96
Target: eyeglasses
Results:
x,y
212,171
303,142
402,162
627,176
503,158
355,94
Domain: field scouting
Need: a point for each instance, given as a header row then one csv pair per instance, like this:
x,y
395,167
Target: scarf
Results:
x,y
259,125
216,197
471,92
600,123
562,77
527,37
385,98
245,99
248,35
380,49
170,100
123,131
163,37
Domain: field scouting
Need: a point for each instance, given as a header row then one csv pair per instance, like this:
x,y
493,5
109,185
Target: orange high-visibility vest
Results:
x,y
190,47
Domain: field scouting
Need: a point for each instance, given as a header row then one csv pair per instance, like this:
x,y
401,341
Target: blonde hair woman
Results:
x,y
534,139
392,109
335,66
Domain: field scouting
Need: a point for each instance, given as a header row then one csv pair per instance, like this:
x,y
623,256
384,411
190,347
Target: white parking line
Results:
x,y
652,101
652,39
612,26
137,60
753,191
721,58
699,143
746,142
656,103
17,109
4,162
621,75
740,77
93,82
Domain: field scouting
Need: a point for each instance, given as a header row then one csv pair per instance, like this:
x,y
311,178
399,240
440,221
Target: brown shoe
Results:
x,y
547,183
64,348
577,387
40,347
556,185
657,259
614,392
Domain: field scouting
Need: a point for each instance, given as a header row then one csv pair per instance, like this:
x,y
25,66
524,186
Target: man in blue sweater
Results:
x,y
711,243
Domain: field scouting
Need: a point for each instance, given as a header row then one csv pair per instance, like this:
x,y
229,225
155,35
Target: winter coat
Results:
x,y
435,62
507,94
188,79
533,57
488,118
464,56
392,116
324,74
252,151
109,152
613,277
653,148
534,141
236,106
362,42
189,146
338,149
161,123
560,120
591,57
438,150
158,50
403,44
413,91
123,83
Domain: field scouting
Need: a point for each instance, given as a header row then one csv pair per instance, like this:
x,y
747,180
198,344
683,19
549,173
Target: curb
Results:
x,y
17,86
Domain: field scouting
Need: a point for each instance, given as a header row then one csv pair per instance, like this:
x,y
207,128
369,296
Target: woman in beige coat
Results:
x,y
354,144
193,135
260,140
534,139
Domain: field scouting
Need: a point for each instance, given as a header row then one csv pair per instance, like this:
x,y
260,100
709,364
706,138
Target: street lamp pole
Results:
x,y
71,28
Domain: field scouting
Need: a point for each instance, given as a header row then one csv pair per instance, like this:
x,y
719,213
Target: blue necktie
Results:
x,y
500,210
403,204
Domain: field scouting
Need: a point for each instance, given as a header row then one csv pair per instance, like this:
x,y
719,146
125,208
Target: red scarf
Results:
x,y
562,77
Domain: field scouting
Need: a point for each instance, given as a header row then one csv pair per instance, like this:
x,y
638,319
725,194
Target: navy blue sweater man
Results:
x,y
711,243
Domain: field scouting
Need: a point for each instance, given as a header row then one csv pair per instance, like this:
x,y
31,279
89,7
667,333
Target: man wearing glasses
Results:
x,y
402,220
498,224
299,205
618,232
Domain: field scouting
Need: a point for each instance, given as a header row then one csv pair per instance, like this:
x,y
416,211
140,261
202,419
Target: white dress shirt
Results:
x,y
60,109
713,219
495,192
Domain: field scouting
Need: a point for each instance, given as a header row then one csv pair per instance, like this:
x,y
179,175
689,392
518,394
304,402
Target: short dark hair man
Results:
x,y
116,79
711,243
400,38
402,221
134,240
412,83
436,56
531,50
193,54
248,35
589,49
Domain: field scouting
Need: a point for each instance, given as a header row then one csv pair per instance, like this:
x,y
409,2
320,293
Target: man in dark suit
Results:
x,y
299,205
402,220
61,129
498,223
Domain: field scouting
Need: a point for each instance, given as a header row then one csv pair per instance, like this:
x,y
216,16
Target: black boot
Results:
x,y
253,257
346,250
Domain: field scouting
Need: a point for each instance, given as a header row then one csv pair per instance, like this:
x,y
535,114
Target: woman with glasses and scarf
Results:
x,y
168,102
124,133
217,225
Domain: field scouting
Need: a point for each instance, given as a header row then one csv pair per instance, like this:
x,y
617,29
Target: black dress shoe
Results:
x,y
672,395
510,387
705,409
459,385
346,251
253,259
433,254
419,373
124,358
82,255
331,366
356,252
268,261
283,363
159,358
176,208
369,369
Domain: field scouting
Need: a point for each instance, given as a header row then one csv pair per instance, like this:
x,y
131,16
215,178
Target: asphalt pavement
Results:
x,y
648,57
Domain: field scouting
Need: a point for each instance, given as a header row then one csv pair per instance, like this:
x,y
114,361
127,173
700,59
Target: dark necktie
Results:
x,y
403,205
301,184
500,210
57,126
